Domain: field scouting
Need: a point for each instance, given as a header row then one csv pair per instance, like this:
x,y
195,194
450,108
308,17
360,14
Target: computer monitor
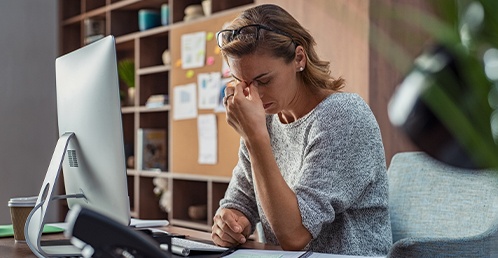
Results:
x,y
90,148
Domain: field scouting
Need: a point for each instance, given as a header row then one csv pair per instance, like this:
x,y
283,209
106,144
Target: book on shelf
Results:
x,y
94,26
156,101
152,147
94,29
93,38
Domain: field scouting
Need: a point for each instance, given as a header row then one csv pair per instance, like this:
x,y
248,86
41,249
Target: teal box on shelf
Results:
x,y
148,18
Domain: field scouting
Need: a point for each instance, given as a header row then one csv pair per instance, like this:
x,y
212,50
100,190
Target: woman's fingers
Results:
x,y
244,109
229,92
226,229
221,237
225,99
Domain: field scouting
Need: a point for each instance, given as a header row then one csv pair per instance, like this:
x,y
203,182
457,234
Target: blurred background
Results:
x,y
373,44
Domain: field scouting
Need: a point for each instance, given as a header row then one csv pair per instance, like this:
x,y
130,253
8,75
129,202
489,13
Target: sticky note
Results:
x,y
210,60
209,36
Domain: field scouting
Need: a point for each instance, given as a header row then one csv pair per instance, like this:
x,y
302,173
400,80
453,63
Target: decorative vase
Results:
x,y
206,7
130,100
166,57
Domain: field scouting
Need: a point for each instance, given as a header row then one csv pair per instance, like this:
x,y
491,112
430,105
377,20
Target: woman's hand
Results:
x,y
230,228
244,109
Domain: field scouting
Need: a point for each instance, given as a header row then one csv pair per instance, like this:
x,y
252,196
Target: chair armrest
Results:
x,y
482,245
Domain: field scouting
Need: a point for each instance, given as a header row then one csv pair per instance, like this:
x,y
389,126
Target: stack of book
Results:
x,y
94,29
156,101
152,148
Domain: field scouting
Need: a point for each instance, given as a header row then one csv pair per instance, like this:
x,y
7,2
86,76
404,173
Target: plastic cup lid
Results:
x,y
23,201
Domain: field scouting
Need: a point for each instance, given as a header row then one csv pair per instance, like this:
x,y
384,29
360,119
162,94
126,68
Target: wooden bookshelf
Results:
x,y
198,185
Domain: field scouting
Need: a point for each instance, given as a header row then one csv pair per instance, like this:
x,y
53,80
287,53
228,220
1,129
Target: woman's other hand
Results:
x,y
230,228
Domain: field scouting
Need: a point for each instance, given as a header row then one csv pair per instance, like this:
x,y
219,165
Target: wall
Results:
x,y
340,29
28,43
384,74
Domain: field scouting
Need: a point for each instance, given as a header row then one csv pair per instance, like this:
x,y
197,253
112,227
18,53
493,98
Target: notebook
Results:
x,y
8,230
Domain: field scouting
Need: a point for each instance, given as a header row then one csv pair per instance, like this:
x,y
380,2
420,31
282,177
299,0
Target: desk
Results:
x,y
10,249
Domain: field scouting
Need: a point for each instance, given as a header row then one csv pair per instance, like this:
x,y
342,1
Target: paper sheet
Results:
x,y
193,50
209,90
185,104
207,133
220,108
247,253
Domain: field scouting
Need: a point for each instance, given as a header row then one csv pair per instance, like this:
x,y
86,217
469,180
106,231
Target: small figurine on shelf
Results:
x,y
162,191
166,56
126,72
193,12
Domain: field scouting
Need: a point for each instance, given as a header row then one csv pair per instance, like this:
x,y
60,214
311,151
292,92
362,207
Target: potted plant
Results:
x,y
448,102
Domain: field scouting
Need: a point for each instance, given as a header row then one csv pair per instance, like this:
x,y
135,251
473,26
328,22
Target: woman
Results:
x,y
311,163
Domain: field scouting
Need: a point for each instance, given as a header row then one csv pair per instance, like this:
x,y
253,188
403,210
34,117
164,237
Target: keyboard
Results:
x,y
184,247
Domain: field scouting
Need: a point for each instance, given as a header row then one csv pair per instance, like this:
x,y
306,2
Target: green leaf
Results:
x,y
126,72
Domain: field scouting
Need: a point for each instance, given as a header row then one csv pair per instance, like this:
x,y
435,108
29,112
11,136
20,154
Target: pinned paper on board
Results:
x,y
193,50
185,104
209,89
208,142
225,69
220,108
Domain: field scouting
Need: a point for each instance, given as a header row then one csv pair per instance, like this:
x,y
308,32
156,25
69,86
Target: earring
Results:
x,y
301,69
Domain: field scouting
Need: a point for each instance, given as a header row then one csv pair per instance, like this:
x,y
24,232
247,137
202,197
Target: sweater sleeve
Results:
x,y
240,193
341,160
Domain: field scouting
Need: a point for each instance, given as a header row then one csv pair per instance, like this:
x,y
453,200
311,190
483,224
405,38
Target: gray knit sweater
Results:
x,y
333,159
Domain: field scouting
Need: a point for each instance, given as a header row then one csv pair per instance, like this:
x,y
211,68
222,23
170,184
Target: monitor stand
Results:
x,y
36,220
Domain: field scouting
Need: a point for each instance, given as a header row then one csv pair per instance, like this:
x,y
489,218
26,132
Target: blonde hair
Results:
x,y
281,43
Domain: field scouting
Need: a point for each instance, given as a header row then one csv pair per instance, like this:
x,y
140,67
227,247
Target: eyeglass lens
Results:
x,y
245,33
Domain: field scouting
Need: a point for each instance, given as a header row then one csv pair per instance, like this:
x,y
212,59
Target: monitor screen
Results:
x,y
90,149
88,104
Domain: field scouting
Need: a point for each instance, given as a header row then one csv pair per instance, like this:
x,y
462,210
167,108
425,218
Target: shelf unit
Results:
x,y
151,77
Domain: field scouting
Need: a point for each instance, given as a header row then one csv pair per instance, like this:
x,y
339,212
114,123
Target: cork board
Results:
x,y
184,135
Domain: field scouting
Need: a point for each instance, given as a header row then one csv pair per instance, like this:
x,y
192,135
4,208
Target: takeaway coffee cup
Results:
x,y
19,212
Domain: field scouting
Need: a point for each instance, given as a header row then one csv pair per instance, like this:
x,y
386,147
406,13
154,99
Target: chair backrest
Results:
x,y
430,199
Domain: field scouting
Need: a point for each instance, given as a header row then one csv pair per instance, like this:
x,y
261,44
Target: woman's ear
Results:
x,y
300,59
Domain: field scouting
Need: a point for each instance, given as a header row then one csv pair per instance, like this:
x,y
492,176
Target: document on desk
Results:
x,y
146,223
247,253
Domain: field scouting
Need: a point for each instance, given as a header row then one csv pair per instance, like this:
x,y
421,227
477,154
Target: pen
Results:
x,y
306,254
177,235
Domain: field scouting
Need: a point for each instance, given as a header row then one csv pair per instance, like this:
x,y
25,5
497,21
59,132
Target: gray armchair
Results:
x,y
441,211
